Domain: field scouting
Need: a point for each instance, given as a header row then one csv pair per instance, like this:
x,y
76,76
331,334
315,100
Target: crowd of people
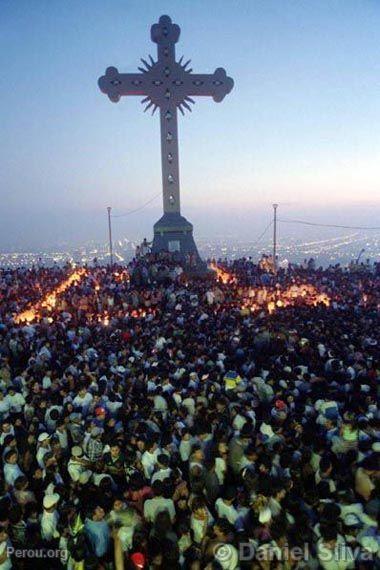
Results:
x,y
149,420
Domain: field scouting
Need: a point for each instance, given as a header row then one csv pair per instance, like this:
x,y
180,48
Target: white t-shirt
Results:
x,y
49,523
157,505
161,474
5,433
226,511
4,408
42,451
11,472
198,526
220,469
16,402
148,461
82,401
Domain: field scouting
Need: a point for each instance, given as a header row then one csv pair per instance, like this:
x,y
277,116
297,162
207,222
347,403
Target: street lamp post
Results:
x,y
275,206
110,235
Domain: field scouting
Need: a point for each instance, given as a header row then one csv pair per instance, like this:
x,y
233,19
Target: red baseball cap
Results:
x,y
138,560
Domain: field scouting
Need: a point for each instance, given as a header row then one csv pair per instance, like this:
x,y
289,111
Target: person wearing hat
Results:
x,y
43,448
50,517
78,465
75,427
94,446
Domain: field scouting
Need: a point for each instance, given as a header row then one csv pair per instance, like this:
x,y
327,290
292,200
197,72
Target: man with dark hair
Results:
x,y
158,504
97,531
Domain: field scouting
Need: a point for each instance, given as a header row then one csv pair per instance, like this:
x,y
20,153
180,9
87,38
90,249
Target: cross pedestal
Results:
x,y
172,232
168,85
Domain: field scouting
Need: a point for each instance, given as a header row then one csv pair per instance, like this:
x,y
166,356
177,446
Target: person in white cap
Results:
x,y
43,448
50,517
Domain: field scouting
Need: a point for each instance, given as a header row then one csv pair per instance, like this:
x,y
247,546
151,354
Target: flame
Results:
x,y
223,275
105,320
306,294
262,298
50,300
122,275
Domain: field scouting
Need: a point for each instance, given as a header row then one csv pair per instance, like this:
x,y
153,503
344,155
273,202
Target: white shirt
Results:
x,y
49,523
226,511
75,469
157,505
199,527
11,472
220,469
42,451
62,438
160,404
46,382
189,404
82,401
149,461
5,433
161,475
16,402
4,408
238,422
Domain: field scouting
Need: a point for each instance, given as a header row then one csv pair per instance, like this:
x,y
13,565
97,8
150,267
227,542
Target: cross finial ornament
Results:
x,y
168,85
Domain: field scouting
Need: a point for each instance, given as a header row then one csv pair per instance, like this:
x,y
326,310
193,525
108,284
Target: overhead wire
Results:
x,y
263,233
317,224
129,212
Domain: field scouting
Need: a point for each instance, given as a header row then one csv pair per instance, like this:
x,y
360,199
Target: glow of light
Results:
x,y
223,275
50,300
304,294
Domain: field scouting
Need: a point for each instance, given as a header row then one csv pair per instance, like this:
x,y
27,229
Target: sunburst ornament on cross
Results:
x,y
168,85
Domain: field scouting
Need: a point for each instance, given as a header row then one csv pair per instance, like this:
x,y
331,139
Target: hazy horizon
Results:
x,y
75,228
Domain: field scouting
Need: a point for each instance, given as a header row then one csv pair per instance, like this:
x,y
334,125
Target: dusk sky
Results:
x,y
301,126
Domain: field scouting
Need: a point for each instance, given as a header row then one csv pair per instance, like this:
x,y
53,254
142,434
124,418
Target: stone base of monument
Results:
x,y
173,233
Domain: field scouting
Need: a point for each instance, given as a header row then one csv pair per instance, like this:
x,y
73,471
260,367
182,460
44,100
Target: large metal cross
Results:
x,y
169,85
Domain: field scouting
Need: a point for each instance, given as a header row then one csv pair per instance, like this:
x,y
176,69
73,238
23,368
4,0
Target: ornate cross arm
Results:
x,y
115,84
217,85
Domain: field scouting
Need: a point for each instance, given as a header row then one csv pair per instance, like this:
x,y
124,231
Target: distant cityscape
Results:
x,y
342,249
